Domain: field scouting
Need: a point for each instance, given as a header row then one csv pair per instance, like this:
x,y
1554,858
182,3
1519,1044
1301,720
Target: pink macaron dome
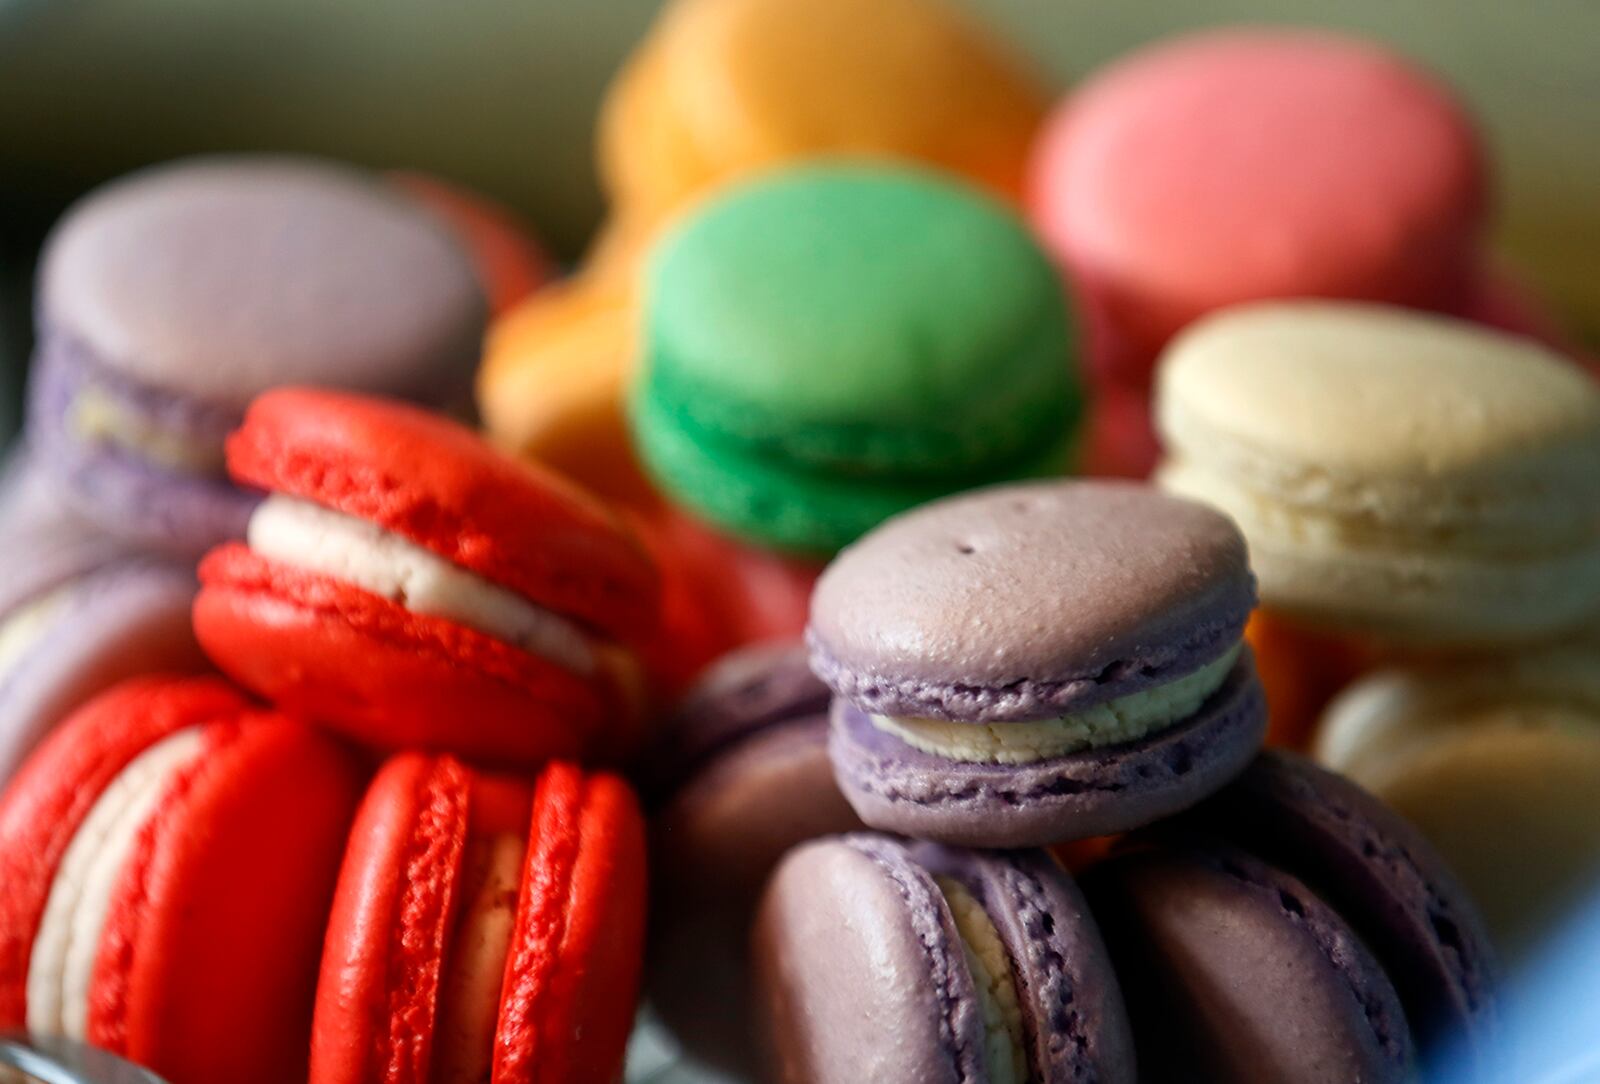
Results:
x,y
1253,163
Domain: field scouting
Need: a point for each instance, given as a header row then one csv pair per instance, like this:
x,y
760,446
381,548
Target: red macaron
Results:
x,y
485,928
168,857
410,586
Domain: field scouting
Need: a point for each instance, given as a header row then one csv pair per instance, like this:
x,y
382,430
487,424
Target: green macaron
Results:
x,y
827,346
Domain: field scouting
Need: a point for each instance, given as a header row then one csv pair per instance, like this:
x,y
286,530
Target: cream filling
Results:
x,y
61,963
27,625
316,539
1004,1048
96,418
1124,719
469,995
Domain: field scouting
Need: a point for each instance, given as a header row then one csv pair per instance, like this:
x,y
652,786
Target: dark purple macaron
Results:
x,y
1038,663
1235,970
168,300
1387,881
903,963
742,776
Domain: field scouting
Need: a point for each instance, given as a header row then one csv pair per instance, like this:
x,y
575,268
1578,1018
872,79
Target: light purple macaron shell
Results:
x,y
860,972
898,788
113,622
1029,601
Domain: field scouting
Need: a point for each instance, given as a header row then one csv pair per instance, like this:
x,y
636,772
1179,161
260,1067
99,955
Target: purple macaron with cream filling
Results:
x,y
169,299
1037,663
743,776
913,963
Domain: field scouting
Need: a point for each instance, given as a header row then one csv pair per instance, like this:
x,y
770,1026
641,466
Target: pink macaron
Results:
x,y
1255,163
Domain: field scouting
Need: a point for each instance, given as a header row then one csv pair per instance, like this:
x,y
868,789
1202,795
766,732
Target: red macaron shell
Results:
x,y
207,966
48,800
572,978
509,264
393,914
390,677
437,484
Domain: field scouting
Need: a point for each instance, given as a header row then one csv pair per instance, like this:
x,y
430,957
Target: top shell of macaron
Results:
x,y
222,277
1259,162
1366,409
864,317
1029,601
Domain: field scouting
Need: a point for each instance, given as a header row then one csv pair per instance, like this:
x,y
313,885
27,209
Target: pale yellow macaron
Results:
x,y
1498,762
1402,475
724,87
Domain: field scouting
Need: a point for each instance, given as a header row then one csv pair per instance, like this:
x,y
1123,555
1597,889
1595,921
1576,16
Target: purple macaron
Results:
x,y
169,299
742,776
913,963
1037,663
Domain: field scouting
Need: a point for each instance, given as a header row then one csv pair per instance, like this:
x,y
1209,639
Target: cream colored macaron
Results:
x,y
1397,474
1497,761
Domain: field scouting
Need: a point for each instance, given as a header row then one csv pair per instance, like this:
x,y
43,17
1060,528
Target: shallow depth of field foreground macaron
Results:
x,y
169,299
410,586
827,346
1408,476
168,857
1038,662
484,928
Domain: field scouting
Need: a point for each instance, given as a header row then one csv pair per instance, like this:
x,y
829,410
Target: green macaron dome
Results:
x,y
826,346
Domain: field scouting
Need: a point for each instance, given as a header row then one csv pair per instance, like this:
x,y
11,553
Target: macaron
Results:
x,y
1037,663
833,344
1405,476
1250,163
408,585
76,617
171,298
1497,761
724,87
742,776
1234,969
1301,670
484,927
509,263
169,856
1400,896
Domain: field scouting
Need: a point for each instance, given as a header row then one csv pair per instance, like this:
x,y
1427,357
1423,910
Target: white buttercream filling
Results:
x,y
96,418
61,963
1124,719
1004,1050
316,539
27,625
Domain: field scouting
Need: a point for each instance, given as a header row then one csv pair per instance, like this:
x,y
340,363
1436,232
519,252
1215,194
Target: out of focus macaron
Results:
x,y
1497,762
484,927
1243,164
1408,476
170,299
724,87
831,345
169,856
509,263
409,585
743,777
909,963
1038,663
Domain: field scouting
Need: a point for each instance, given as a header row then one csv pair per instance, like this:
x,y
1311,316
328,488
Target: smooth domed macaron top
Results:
x,y
1311,388
439,485
221,277
1260,162
1077,590
883,318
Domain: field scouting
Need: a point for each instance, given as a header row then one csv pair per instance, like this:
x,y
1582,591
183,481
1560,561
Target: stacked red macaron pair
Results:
x,y
174,852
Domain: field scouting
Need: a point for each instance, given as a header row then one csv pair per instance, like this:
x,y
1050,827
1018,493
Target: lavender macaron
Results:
x,y
743,776
166,301
1036,663
914,963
